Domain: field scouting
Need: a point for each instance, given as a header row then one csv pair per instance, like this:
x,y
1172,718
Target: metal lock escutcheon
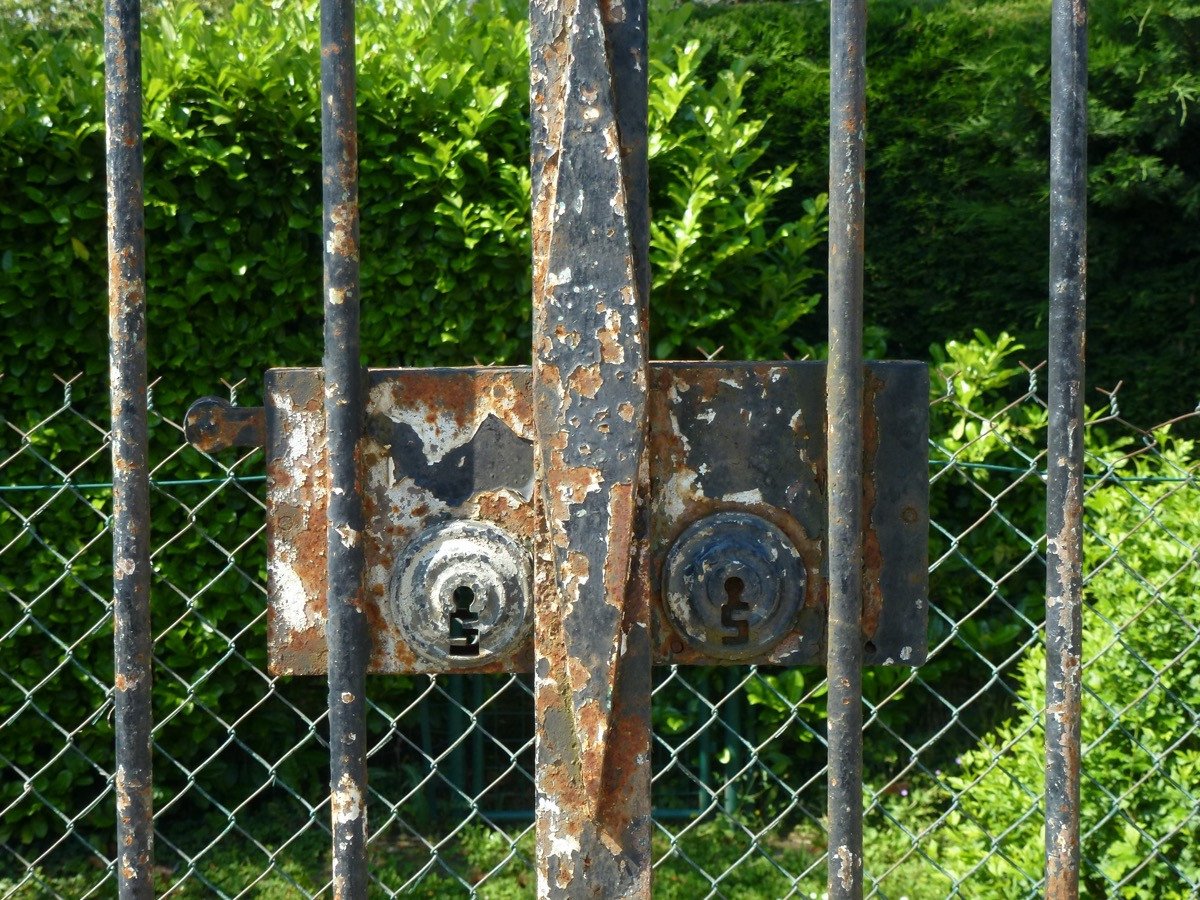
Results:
x,y
461,593
733,585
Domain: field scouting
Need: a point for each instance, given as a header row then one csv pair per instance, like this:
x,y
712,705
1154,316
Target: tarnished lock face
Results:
x,y
733,585
461,593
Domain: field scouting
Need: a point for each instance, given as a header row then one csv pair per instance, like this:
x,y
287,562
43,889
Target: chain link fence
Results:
x,y
953,750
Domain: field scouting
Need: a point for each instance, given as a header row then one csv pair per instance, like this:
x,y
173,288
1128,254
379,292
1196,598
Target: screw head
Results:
x,y
461,593
733,585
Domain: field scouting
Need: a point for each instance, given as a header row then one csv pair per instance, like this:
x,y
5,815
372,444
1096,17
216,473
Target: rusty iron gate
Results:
x,y
597,513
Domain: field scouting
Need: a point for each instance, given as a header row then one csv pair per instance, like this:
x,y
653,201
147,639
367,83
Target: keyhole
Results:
x,y
733,612
464,624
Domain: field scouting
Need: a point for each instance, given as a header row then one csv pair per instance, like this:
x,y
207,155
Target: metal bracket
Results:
x,y
457,445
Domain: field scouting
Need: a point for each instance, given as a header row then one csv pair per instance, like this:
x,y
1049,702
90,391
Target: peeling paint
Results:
x,y
485,467
348,802
592,647
847,863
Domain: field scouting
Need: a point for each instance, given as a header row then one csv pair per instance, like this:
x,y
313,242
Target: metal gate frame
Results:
x,y
609,41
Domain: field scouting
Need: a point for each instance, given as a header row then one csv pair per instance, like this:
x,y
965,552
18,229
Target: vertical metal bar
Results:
x,y
426,730
456,759
1064,484
590,285
731,716
132,640
844,399
346,629
477,746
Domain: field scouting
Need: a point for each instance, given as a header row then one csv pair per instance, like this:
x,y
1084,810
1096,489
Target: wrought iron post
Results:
x,y
346,625
1064,483
844,399
592,639
132,674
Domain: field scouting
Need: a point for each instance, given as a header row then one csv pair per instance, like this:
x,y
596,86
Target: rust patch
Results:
x,y
448,409
680,468
438,413
343,242
586,381
872,586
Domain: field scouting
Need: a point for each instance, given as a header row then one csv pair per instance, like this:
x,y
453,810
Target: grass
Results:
x,y
497,864
272,853
482,861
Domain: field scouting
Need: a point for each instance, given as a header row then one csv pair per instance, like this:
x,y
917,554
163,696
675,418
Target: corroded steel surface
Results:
x,y
1064,482
463,591
848,602
213,424
592,642
132,637
439,445
346,625
751,437
732,585
449,444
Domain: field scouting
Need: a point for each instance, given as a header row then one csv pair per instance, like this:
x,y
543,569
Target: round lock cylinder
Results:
x,y
461,593
733,585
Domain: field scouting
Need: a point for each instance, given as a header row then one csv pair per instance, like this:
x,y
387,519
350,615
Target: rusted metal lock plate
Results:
x,y
737,476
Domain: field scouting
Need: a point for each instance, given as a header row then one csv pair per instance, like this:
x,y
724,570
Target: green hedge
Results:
x,y
1138,790
233,198
957,154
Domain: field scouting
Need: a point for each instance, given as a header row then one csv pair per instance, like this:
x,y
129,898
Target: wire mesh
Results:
x,y
953,750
